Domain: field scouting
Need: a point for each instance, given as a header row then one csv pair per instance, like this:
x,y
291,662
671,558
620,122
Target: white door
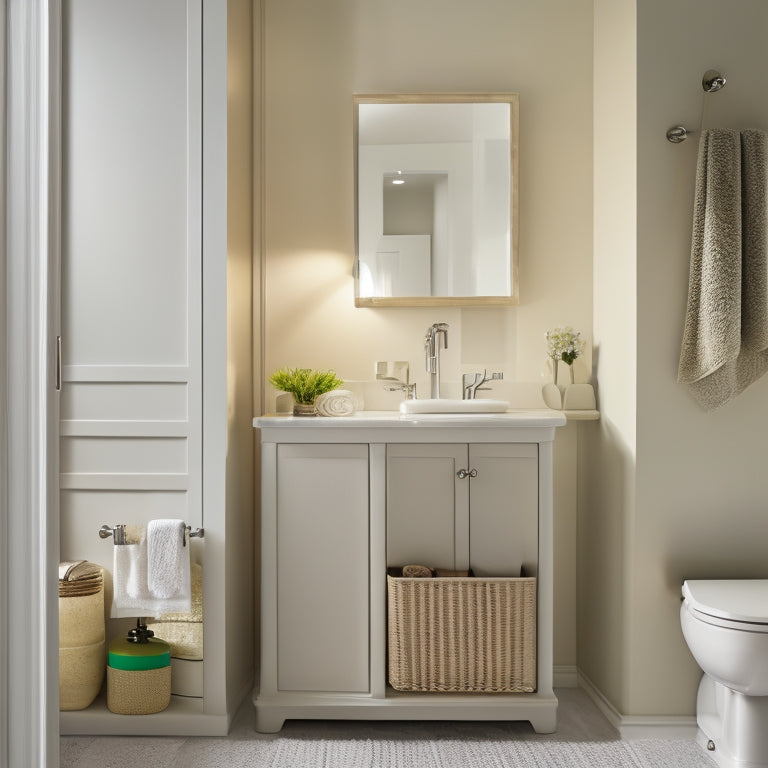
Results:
x,y
131,265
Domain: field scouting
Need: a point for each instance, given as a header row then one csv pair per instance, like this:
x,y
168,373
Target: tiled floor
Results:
x,y
584,738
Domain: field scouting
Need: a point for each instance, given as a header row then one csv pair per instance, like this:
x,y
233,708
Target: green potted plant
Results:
x,y
305,385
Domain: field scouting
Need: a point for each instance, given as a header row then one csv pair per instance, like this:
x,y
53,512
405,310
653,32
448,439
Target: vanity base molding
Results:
x,y
540,709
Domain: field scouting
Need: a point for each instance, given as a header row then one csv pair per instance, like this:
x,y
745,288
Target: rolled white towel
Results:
x,y
339,402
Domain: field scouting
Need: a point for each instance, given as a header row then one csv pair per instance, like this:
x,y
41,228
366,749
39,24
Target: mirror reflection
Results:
x,y
436,199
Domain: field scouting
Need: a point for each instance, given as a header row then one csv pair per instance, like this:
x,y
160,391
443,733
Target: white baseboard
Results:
x,y
565,676
632,727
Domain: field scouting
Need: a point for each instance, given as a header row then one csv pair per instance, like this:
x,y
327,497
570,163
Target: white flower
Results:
x,y
564,344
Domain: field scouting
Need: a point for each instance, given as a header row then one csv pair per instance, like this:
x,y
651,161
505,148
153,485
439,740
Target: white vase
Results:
x,y
555,372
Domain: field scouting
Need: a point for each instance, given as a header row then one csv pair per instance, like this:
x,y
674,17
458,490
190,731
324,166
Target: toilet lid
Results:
x,y
733,599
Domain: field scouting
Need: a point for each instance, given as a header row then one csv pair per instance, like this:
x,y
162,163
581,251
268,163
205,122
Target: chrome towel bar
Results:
x,y
118,533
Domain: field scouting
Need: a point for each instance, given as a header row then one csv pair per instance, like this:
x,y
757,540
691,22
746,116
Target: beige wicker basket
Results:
x,y
462,634
138,691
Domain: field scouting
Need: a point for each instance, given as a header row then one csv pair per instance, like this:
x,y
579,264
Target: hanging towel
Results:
x,y
167,566
132,595
184,631
725,339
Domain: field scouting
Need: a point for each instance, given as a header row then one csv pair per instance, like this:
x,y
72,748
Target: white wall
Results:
x,y
697,509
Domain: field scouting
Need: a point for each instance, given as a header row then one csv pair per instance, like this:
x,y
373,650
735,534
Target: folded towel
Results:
x,y
417,572
725,340
195,614
184,631
339,402
131,594
167,559
185,639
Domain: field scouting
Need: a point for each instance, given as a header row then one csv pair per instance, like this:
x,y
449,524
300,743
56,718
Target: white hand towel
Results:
x,y
168,561
130,597
339,402
131,593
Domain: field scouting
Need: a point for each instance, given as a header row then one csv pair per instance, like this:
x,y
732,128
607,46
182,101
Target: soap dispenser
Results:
x,y
138,673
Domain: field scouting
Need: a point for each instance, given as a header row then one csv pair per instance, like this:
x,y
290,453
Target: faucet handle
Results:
x,y
409,389
472,382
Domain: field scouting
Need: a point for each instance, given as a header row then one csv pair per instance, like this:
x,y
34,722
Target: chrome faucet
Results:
x,y
432,350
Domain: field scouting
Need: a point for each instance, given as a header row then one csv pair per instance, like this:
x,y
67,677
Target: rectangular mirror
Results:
x,y
436,199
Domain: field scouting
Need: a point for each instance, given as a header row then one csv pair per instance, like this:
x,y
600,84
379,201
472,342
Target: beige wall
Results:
x,y
316,56
701,478
607,448
667,492
697,507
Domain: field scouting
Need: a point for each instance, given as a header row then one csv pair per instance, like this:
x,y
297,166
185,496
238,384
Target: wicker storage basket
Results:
x,y
82,654
462,634
138,691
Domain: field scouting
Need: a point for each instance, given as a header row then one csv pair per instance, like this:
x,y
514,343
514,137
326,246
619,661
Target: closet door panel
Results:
x,y
126,182
89,401
131,258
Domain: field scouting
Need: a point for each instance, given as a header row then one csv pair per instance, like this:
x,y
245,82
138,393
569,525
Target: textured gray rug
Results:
x,y
286,752
584,739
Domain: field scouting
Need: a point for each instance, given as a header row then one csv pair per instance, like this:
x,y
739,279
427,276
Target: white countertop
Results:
x,y
544,417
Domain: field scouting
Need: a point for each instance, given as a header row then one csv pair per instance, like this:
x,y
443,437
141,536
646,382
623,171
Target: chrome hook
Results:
x,y
712,81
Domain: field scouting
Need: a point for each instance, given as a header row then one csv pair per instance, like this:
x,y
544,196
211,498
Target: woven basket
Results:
x,y
81,674
138,691
462,634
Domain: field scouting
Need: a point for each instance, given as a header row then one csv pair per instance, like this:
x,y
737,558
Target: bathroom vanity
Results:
x,y
344,498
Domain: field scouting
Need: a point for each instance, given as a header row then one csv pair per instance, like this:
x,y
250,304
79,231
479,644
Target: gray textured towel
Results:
x,y
725,341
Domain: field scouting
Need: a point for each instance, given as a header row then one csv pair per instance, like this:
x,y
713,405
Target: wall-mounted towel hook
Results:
x,y
677,134
712,81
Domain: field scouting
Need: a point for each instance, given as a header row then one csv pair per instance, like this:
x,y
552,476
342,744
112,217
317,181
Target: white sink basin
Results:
x,y
445,405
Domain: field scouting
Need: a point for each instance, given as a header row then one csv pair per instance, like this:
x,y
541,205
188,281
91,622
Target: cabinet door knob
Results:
x,y
462,473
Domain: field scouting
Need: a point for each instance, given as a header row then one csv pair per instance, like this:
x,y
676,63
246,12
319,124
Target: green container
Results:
x,y
154,654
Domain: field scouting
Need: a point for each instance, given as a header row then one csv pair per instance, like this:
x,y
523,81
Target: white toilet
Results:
x,y
725,624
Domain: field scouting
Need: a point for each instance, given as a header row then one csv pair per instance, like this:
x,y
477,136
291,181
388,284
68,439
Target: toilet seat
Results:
x,y
740,604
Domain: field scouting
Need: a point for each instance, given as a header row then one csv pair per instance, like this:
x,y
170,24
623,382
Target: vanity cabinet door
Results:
x,y
486,520
427,505
504,509
322,568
